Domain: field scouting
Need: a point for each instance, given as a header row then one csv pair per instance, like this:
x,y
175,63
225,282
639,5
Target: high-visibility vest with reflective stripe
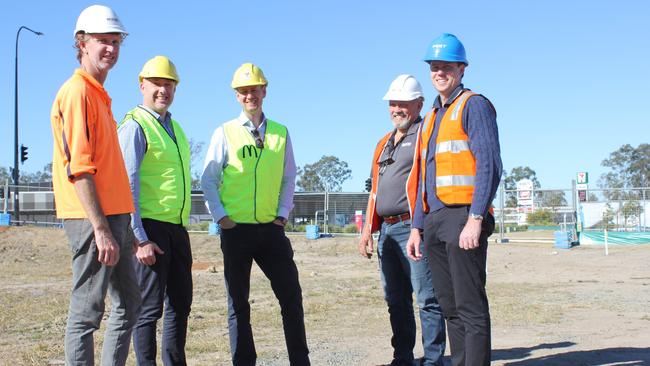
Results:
x,y
455,163
165,181
250,190
372,218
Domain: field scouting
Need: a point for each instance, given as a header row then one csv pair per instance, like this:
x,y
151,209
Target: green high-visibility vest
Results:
x,y
250,189
165,180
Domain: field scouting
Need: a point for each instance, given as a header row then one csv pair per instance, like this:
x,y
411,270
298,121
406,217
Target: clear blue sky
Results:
x,y
569,79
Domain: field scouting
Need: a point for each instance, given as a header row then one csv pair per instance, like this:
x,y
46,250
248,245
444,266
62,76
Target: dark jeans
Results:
x,y
271,250
168,282
400,278
459,281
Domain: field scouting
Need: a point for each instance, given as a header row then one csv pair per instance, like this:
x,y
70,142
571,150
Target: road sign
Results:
x,y
582,195
525,192
582,178
582,186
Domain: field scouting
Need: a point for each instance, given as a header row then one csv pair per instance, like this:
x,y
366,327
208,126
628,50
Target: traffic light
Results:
x,y
368,184
23,153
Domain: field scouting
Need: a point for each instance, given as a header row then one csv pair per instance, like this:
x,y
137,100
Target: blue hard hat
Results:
x,y
446,48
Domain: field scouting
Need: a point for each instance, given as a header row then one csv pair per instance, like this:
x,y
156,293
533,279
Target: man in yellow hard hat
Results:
x,y
248,182
157,158
91,190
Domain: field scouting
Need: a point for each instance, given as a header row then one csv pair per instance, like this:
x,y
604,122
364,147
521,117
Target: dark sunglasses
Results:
x,y
258,139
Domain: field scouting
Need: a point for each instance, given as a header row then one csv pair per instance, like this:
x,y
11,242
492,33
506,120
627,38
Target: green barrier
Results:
x,y
615,237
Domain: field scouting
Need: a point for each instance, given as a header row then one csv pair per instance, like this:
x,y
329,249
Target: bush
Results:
x,y
351,229
541,217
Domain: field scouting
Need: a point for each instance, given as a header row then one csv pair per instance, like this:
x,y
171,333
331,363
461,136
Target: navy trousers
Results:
x,y
267,245
167,284
459,281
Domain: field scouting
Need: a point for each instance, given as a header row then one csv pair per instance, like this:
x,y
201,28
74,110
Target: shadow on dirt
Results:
x,y
606,356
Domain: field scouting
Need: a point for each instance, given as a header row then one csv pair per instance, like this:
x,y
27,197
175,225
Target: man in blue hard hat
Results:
x,y
460,170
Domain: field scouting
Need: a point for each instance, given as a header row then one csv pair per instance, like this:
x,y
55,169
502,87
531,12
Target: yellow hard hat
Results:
x,y
159,67
248,75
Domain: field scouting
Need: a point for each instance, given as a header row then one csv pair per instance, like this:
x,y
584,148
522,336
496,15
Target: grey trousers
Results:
x,y
91,280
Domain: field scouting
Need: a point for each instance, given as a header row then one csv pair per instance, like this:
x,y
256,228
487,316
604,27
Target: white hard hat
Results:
x,y
404,88
99,19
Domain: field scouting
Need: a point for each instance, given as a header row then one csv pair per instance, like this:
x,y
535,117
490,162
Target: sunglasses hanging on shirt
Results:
x,y
258,139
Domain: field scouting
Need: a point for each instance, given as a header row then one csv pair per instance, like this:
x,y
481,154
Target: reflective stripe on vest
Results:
x,y
165,180
455,163
252,179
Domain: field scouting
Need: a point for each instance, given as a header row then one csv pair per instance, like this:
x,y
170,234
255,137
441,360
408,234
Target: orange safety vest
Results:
x,y
455,163
411,186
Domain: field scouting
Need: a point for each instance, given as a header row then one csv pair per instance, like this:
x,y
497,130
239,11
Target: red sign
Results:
x,y
582,196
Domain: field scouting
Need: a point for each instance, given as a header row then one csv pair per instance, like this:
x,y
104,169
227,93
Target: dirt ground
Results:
x,y
549,306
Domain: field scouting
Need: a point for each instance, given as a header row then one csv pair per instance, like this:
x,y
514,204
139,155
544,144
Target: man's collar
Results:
x,y
167,117
244,120
437,104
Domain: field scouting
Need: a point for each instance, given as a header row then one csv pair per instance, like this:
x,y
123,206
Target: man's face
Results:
x,y
158,93
404,113
251,97
446,76
101,50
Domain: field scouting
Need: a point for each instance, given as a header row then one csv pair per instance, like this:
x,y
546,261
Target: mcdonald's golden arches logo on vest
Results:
x,y
250,190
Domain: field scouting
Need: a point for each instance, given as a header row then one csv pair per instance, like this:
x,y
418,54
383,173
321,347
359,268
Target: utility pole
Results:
x,y
15,172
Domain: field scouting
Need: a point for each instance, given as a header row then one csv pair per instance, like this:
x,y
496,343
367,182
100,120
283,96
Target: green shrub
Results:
x,y
351,229
541,217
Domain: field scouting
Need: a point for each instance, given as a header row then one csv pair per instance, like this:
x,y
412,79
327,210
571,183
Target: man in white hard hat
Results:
x,y
248,182
92,195
390,205
157,157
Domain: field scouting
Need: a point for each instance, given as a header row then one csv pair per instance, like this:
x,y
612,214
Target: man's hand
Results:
x,y
226,223
280,221
107,248
147,251
366,244
413,245
470,234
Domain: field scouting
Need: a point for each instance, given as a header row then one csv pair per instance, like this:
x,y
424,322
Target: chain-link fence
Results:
x,y
614,209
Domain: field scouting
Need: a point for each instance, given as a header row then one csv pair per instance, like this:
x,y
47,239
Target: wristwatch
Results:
x,y
283,220
475,216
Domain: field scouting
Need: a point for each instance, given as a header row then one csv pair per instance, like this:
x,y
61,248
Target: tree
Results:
x,y
540,217
43,176
196,147
608,216
630,167
327,174
630,210
553,199
4,175
510,182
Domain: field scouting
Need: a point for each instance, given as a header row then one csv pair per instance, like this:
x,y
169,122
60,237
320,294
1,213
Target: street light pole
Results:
x,y
15,172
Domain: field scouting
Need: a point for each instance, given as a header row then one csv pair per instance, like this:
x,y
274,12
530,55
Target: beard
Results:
x,y
400,122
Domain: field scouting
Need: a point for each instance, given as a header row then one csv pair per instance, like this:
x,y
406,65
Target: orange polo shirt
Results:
x,y
85,141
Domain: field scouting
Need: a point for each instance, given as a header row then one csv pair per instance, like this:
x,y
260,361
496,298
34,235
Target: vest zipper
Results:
x,y
255,185
180,158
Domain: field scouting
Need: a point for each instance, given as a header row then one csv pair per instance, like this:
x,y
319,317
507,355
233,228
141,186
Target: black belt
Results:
x,y
397,218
